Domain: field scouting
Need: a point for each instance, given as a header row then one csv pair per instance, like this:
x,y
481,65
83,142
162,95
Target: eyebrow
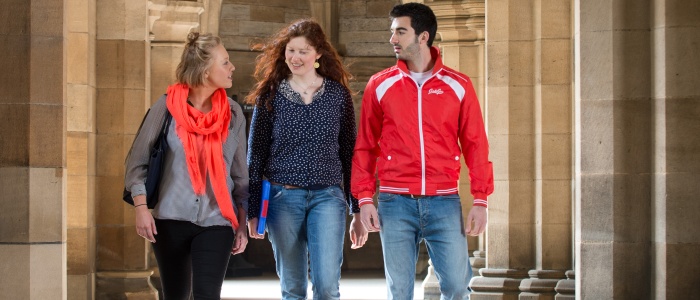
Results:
x,y
399,28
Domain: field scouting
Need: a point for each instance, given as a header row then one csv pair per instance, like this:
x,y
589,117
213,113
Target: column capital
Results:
x,y
171,21
460,21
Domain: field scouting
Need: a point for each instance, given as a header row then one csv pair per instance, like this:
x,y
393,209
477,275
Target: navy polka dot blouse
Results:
x,y
306,145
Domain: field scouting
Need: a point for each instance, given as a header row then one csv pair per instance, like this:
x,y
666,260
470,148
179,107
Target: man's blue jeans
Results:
x,y
307,225
437,220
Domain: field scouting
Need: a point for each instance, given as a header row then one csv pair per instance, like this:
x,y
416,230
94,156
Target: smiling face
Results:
x,y
219,74
300,56
404,39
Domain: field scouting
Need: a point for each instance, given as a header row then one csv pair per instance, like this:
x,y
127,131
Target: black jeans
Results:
x,y
192,259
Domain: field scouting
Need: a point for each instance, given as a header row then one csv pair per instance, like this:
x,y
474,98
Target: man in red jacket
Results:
x,y
414,118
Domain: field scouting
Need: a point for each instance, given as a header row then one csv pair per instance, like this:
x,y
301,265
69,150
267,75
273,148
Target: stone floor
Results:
x,y
353,286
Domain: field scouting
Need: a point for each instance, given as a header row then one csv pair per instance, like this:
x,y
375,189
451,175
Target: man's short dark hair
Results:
x,y
422,18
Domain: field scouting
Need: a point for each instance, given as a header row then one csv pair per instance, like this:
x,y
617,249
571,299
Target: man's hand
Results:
x,y
358,232
477,215
370,218
253,229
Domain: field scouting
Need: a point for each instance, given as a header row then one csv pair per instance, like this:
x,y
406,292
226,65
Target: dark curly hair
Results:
x,y
271,69
422,18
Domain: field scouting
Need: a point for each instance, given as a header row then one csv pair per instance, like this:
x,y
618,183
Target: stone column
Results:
x,y
613,148
80,154
33,142
553,59
510,107
676,149
122,74
325,12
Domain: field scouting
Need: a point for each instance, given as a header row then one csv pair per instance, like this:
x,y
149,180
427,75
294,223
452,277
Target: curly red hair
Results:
x,y
271,69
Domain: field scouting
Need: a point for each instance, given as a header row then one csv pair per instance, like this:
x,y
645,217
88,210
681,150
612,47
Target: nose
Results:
x,y
392,39
233,68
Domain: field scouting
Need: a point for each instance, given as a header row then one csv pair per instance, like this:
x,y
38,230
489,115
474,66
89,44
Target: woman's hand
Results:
x,y
358,232
241,240
145,225
253,229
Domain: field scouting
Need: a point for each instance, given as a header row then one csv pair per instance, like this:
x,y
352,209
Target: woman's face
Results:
x,y
300,56
219,74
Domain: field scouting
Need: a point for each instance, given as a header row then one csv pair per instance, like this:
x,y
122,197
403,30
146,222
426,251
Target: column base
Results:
x,y
497,284
540,285
566,289
134,285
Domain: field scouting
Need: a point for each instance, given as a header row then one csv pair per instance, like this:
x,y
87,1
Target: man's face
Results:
x,y
404,39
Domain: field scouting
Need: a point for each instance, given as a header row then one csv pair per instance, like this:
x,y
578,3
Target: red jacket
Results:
x,y
412,135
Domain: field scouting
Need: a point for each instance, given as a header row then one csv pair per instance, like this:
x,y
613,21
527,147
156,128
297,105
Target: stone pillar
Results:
x,y
169,24
33,142
325,12
510,110
553,59
122,74
613,148
675,269
80,157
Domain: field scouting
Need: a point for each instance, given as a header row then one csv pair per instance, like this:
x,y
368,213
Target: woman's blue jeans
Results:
x,y
307,230
437,220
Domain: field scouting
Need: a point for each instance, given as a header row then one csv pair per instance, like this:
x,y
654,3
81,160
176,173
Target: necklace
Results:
x,y
307,88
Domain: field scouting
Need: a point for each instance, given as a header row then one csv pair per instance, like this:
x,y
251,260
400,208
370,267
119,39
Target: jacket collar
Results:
x,y
434,53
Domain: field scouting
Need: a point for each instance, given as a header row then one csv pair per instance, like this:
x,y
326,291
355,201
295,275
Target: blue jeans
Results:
x,y
437,220
307,225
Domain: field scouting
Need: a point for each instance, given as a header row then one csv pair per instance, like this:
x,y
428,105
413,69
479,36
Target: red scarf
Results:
x,y
212,129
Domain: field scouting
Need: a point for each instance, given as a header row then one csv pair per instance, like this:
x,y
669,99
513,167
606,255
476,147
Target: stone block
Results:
x,y
110,107
682,208
521,205
77,153
597,132
595,65
596,15
134,65
556,201
364,24
632,140
134,103
110,155
78,196
111,24
78,65
109,60
497,112
81,251
497,28
367,49
136,20
47,269
681,267
497,237
370,36
498,64
15,84
14,18
81,287
594,270
230,11
556,104
631,265
260,28
682,143
14,135
631,67
679,77
354,8
556,61
555,244
630,16
520,20
595,216
266,13
521,246
556,161
46,205
379,8
556,19
500,152
78,16
14,222
521,157
46,69
15,270
47,132
47,19
110,208
80,108
226,27
120,248
676,14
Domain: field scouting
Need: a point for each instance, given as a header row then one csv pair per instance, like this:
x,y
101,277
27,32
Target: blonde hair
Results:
x,y
196,58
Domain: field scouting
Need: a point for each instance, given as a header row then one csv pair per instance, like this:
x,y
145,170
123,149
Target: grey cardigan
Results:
x,y
177,200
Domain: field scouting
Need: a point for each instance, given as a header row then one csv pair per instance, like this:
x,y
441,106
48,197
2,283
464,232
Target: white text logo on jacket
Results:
x,y
435,91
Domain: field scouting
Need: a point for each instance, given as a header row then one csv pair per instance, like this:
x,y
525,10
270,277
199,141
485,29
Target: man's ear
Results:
x,y
424,36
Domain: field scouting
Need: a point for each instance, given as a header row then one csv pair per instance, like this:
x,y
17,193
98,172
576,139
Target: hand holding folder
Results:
x,y
263,206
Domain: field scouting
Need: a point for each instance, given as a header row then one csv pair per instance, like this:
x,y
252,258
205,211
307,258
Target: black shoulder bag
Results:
x,y
155,165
